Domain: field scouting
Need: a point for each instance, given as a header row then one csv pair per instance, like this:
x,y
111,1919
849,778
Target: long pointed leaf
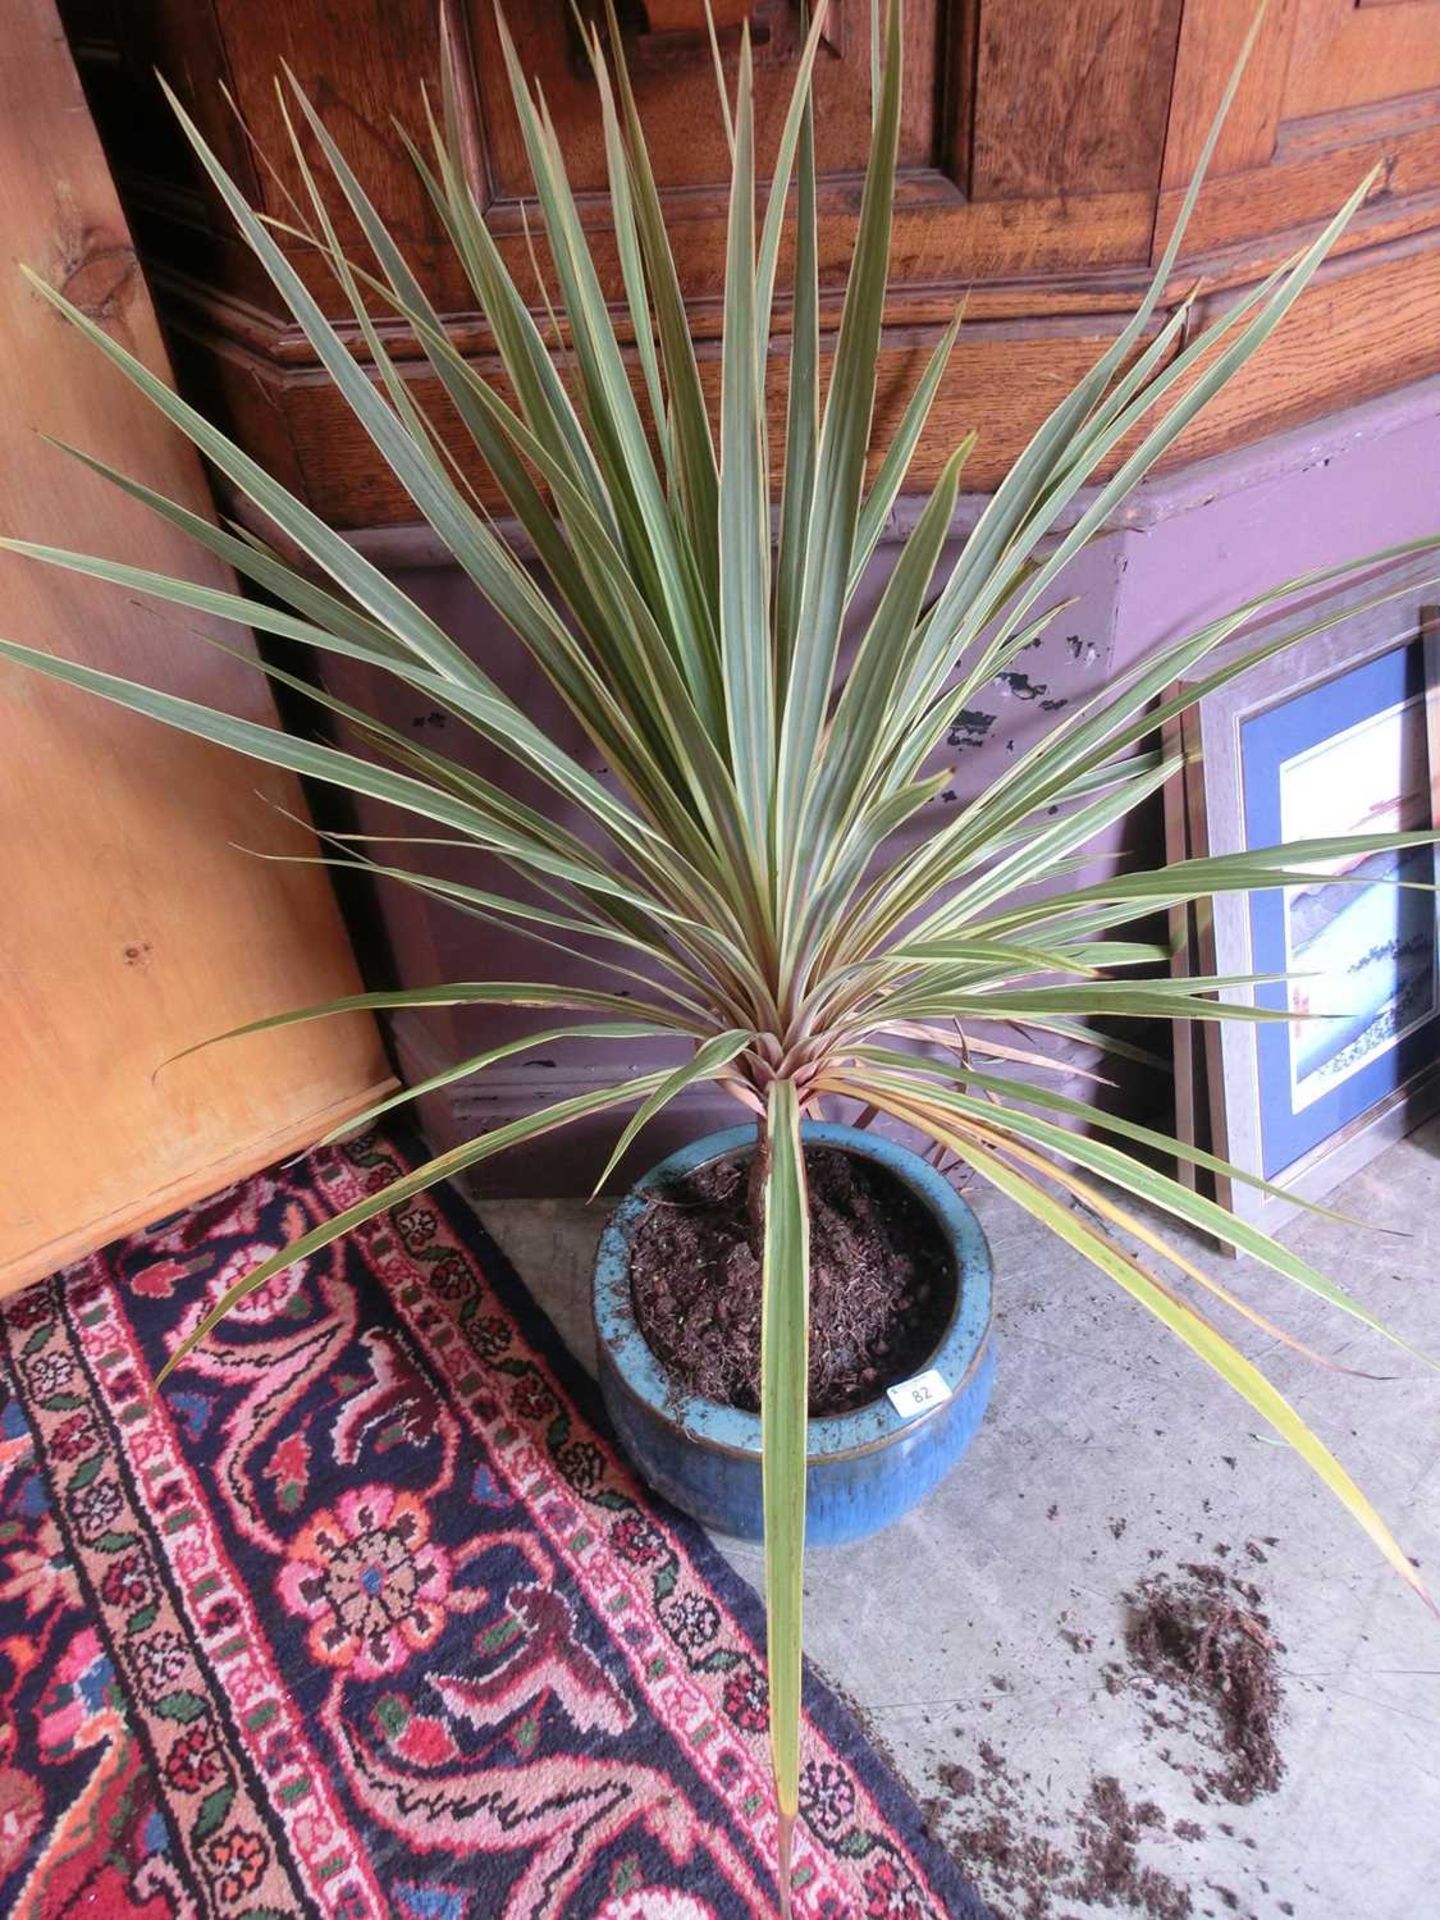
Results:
x,y
744,506
705,1063
1196,1332
784,1417
840,462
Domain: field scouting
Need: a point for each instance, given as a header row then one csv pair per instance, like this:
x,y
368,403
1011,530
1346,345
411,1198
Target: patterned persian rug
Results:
x,y
366,1616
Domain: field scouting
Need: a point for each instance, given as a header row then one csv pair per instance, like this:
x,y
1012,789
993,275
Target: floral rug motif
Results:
x,y
365,1615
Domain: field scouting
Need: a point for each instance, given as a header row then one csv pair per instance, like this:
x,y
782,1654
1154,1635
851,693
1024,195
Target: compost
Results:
x,y
1202,1635
882,1282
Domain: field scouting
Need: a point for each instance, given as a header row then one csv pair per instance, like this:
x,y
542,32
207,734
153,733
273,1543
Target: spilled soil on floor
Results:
x,y
1199,1659
1203,1637
1035,1863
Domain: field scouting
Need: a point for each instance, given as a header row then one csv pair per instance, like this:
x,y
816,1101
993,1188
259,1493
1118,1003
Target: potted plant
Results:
x,y
900,1361
741,874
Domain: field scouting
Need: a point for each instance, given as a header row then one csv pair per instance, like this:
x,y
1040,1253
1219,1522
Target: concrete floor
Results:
x,y
1109,1453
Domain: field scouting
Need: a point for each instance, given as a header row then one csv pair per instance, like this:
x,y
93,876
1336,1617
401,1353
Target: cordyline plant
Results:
x,y
742,874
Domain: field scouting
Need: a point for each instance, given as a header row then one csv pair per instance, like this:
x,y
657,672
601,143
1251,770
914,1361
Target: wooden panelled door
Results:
x,y
131,923
1045,147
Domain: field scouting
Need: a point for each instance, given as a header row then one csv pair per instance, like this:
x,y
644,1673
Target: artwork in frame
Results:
x,y
1334,736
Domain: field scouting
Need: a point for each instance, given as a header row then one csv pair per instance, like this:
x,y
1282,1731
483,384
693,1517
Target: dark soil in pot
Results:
x,y
882,1282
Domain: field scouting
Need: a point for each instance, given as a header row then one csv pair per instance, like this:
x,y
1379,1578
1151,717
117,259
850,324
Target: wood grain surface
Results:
x,y
131,923
1045,149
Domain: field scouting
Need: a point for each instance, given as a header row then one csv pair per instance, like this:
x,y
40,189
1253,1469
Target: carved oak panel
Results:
x,y
1046,144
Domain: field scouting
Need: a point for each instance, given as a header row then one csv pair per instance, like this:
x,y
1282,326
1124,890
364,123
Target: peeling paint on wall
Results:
x,y
970,726
1021,685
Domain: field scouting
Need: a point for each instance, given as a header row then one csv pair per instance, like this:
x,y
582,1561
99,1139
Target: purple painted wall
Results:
x,y
1209,537
1187,547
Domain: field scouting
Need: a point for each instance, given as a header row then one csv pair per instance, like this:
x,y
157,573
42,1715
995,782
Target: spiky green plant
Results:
x,y
743,875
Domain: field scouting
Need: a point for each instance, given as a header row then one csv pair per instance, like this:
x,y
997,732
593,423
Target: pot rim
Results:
x,y
730,1429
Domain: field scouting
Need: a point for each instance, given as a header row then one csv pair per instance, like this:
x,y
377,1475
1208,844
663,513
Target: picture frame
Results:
x,y
1337,733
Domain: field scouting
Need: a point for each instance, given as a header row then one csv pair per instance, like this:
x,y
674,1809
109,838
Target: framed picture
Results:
x,y
1331,737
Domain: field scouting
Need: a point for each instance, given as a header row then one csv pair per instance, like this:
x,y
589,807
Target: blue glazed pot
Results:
x,y
866,1467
